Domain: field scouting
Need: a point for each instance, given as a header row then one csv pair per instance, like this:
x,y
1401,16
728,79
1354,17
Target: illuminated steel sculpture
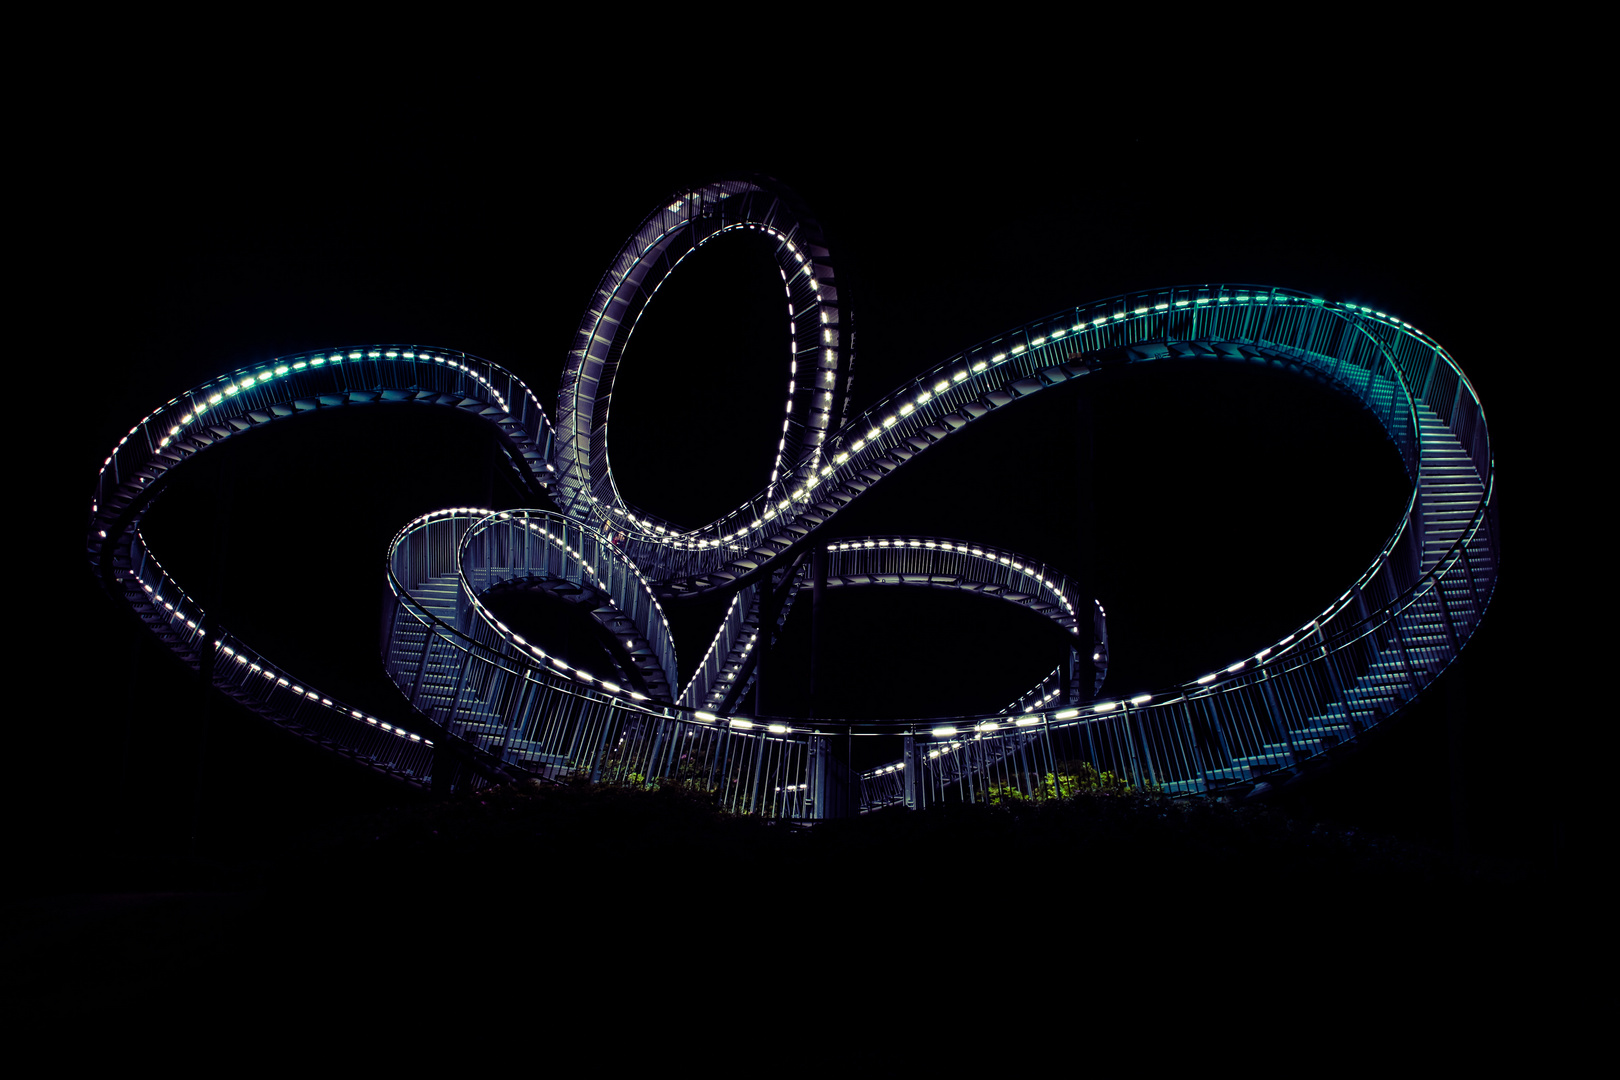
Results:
x,y
500,706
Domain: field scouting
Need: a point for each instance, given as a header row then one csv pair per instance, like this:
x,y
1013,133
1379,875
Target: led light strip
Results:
x,y
928,408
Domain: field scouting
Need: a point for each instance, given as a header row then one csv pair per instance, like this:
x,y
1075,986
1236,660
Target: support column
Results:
x,y
843,755
769,604
1084,570
911,777
816,794
818,611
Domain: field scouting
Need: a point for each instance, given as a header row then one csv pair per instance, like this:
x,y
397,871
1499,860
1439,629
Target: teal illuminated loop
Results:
x,y
509,705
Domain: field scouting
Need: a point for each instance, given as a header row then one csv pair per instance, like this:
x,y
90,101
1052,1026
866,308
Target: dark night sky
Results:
x,y
1231,507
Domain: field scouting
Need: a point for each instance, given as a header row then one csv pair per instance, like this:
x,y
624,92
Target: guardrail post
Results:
x,y
1468,571
515,710
909,780
725,736
1445,615
1406,658
461,683
1280,718
753,786
421,665
1130,746
1212,723
815,793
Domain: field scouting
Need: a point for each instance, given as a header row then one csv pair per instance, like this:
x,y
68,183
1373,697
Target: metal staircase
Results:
x,y
1259,719
1415,645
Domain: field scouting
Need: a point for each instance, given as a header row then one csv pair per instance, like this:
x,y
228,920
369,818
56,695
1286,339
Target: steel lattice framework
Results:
x,y
506,707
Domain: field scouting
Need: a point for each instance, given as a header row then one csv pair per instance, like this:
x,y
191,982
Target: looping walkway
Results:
x,y
510,707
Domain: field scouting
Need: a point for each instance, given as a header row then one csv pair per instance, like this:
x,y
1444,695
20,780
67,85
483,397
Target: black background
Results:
x,y
188,232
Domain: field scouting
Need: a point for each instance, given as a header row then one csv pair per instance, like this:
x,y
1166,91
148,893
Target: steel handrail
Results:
x,y
1403,620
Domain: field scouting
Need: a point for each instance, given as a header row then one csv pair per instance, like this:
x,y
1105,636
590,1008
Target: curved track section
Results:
x,y
726,672
504,701
817,373
250,398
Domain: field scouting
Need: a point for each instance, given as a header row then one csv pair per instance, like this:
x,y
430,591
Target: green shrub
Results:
x,y
1071,778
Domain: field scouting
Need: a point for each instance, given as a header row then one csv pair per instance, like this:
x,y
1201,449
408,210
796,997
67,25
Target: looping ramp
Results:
x,y
509,707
